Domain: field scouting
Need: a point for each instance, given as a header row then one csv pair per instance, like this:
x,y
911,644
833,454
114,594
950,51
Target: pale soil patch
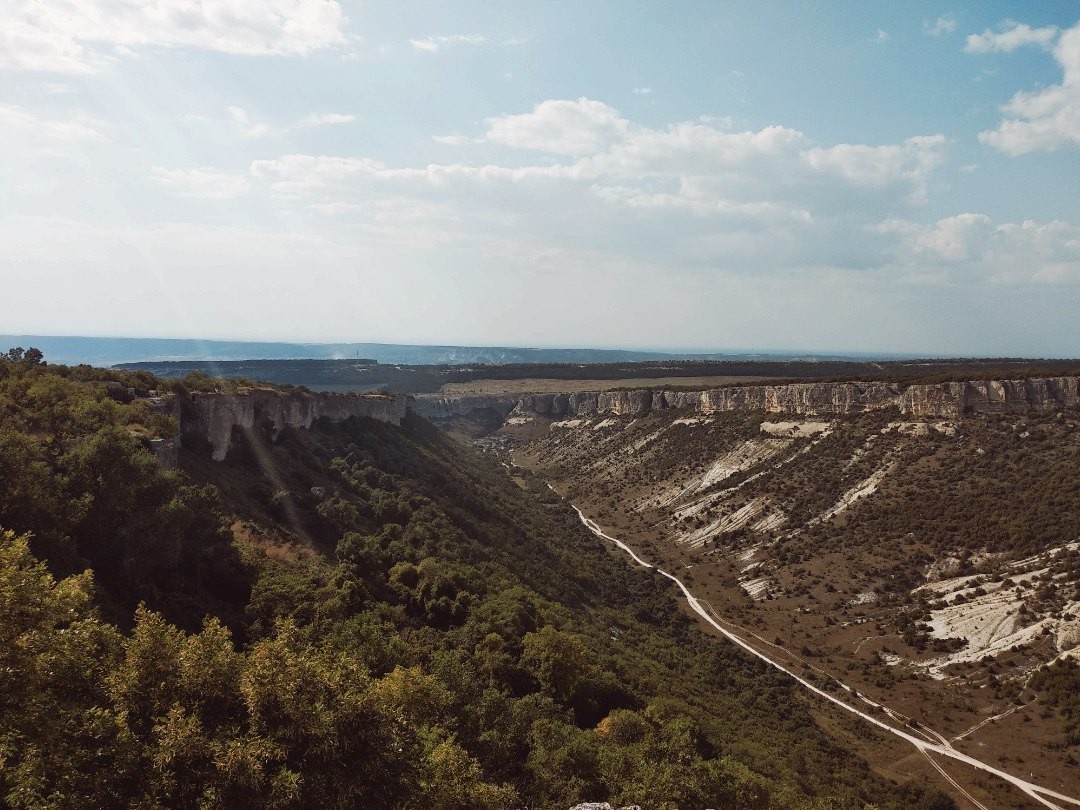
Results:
x,y
534,385
1051,553
861,490
569,423
699,505
748,454
940,571
691,420
747,554
920,428
743,457
728,523
773,520
605,423
992,621
865,598
794,428
640,443
519,420
756,589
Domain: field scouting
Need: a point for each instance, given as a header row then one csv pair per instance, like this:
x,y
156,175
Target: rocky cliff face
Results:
x,y
992,396
940,400
213,416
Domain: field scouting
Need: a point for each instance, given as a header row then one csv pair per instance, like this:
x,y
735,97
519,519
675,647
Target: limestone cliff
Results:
x,y
944,400
213,416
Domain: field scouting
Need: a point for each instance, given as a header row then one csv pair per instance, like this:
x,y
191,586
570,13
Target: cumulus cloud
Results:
x,y
971,247
325,119
436,44
208,184
1013,35
84,36
1046,119
691,195
560,127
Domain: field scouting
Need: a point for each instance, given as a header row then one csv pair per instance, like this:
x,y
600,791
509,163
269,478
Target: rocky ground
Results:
x,y
931,564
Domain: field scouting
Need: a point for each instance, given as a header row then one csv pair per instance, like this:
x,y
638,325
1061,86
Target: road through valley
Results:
x,y
937,745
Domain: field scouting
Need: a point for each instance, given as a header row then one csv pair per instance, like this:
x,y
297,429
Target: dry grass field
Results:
x,y
547,386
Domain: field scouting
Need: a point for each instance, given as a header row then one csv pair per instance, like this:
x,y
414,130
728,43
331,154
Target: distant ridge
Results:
x,y
104,351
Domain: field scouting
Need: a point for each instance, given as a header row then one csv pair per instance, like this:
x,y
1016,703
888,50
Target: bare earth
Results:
x,y
713,498
542,386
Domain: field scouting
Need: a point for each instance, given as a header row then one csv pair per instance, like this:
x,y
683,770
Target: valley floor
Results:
x,y
772,527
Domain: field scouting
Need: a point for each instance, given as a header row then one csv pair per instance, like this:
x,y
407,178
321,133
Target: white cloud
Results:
x,y
971,247
642,91
209,184
326,119
580,127
942,25
72,128
247,125
908,163
957,238
693,166
1012,36
1047,119
451,140
691,199
84,36
691,195
879,36
435,44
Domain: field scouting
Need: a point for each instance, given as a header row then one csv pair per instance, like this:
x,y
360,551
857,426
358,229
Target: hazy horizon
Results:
x,y
114,350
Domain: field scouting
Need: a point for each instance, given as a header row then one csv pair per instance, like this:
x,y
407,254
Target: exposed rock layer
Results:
x,y
213,416
944,400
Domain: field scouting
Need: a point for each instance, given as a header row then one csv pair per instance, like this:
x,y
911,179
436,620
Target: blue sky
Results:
x,y
743,175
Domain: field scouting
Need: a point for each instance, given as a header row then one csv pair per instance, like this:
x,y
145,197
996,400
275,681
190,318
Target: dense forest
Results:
x,y
359,615
368,375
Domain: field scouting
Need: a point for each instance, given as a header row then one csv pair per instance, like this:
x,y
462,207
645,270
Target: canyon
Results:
x,y
211,417
932,400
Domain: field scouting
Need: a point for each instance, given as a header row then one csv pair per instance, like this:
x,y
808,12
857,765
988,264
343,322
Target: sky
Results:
x,y
723,176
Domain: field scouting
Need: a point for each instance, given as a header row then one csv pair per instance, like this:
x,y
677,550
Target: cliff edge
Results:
x,y
934,400
212,416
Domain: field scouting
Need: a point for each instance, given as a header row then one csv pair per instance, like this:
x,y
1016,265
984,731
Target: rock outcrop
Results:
x,y
936,400
212,417
992,396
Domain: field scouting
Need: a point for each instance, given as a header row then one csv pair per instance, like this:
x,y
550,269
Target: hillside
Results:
x,y
354,614
931,564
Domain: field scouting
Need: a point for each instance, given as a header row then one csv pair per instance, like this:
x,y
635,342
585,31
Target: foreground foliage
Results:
x,y
356,616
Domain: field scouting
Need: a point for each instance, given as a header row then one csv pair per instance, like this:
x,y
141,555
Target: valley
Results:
x,y
929,565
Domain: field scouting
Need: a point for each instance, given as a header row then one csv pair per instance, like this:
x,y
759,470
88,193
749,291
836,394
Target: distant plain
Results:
x,y
548,386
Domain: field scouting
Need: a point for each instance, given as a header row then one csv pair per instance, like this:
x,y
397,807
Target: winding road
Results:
x,y
941,746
